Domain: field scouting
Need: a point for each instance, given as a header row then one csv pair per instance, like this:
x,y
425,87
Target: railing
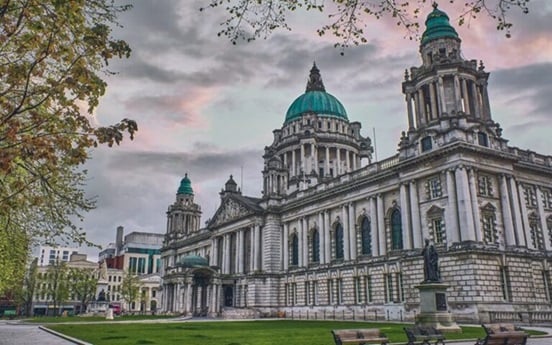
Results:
x,y
531,317
341,315
531,157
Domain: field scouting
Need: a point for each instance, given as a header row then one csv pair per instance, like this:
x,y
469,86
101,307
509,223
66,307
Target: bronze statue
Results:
x,y
431,263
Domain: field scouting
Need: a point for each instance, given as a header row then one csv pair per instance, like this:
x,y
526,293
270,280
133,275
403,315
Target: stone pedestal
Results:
x,y
109,314
434,309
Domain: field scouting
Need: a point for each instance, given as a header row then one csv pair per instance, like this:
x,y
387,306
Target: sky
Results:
x,y
207,108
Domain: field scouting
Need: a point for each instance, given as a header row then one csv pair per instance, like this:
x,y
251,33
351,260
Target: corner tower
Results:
x,y
446,97
183,217
316,143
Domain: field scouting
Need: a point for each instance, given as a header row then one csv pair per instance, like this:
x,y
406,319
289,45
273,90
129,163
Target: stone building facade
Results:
x,y
334,232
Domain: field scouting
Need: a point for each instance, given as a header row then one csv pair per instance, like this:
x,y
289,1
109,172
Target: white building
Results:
x,y
334,233
47,255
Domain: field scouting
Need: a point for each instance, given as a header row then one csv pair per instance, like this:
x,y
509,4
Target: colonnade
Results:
x,y
241,250
184,296
182,222
344,159
428,101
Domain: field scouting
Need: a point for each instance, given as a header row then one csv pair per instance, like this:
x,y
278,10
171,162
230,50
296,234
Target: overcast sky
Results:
x,y
208,108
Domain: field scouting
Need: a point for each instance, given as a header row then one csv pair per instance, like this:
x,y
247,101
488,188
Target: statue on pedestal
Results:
x,y
431,263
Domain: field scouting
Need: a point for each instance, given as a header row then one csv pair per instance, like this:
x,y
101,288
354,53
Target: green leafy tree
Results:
x,y
130,288
83,283
347,19
56,284
53,55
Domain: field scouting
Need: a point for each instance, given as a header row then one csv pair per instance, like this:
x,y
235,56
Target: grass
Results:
x,y
287,332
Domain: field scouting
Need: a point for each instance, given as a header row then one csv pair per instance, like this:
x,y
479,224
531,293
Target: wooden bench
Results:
x,y
359,336
424,335
503,334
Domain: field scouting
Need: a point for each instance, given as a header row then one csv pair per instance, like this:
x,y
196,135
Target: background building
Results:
x,y
137,253
334,233
47,255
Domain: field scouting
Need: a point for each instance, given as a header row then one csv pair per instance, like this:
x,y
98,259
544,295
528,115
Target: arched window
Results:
x,y
315,246
294,250
366,236
339,241
396,230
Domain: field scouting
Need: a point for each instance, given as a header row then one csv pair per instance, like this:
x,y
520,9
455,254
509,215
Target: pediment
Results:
x,y
230,210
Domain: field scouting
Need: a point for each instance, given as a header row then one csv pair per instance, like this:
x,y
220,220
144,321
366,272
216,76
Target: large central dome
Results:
x,y
316,100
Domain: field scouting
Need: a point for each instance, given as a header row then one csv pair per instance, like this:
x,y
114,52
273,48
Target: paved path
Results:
x,y
12,333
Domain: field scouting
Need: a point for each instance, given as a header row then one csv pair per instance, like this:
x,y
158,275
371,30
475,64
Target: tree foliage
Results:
x,y
55,285
53,55
130,288
83,282
347,19
27,293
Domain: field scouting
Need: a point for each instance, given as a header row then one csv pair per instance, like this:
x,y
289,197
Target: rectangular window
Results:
x,y
133,264
400,288
339,291
314,293
388,282
433,186
530,196
358,290
546,283
141,265
485,186
547,198
307,293
505,284
437,227
426,144
482,139
489,228
330,292
368,289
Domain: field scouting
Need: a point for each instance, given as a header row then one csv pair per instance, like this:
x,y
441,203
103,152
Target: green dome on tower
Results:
x,y
438,26
185,186
316,100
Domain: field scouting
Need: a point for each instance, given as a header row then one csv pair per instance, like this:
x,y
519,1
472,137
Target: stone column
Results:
x,y
457,98
338,162
451,213
506,213
465,211
346,243
327,162
525,218
352,231
188,297
476,104
381,225
321,234
409,109
301,244
285,247
305,249
405,217
421,106
544,227
258,243
303,159
442,102
434,114
348,160
475,205
374,226
239,246
328,241
466,98
294,162
415,215
520,233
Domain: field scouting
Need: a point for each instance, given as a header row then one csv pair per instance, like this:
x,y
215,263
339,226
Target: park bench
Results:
x,y
424,335
502,334
359,336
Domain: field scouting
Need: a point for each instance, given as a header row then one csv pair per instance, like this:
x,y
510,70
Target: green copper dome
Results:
x,y
192,261
316,100
185,186
438,26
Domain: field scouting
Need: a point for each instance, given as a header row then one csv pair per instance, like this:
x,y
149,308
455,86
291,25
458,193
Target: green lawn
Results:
x,y
285,332
60,319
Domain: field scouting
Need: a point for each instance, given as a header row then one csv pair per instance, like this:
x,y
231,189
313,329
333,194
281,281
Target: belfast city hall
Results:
x,y
335,233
